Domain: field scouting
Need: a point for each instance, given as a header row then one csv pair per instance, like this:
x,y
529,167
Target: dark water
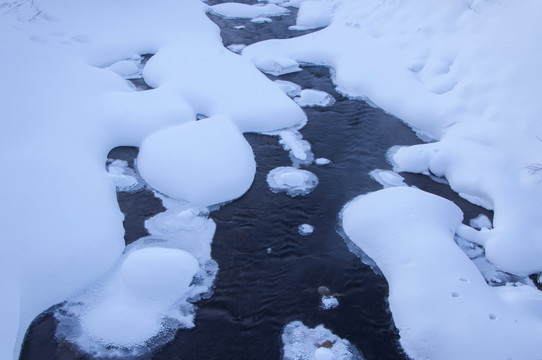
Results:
x,y
257,293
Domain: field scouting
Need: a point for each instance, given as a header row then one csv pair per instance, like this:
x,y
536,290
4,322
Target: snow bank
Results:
x,y
302,342
464,73
410,236
244,11
205,162
292,181
66,102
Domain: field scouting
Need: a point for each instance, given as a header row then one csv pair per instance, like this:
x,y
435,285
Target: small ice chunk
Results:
x,y
329,302
261,20
239,27
305,229
387,178
481,222
292,181
236,48
278,66
302,342
291,89
300,150
269,250
311,97
322,161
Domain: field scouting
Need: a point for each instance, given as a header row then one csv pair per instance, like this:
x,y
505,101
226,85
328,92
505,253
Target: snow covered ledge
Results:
x,y
440,302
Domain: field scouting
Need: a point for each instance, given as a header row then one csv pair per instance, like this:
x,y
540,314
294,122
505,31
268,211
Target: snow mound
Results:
x,y
205,162
305,229
152,282
310,97
313,14
302,342
244,11
481,222
291,89
410,236
236,48
292,181
276,66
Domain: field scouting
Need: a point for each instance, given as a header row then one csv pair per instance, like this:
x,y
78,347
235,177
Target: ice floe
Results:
x,y
387,178
291,89
322,161
298,148
329,302
292,181
302,342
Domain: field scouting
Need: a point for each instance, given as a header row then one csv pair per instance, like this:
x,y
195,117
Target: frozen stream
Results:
x,y
269,274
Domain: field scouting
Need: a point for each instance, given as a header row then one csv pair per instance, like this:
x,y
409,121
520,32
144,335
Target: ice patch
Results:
x,y
205,162
310,97
329,302
291,89
292,181
300,150
305,229
387,178
125,179
302,342
322,161
244,11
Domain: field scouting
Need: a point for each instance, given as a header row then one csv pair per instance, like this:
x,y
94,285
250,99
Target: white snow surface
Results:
x,y
235,10
205,162
302,342
313,14
465,73
66,103
410,235
311,97
291,180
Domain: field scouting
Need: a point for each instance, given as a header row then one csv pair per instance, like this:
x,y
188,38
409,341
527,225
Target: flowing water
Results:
x,y
269,274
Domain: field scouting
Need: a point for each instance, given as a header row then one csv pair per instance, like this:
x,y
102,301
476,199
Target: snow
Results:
x,y
329,302
236,48
313,14
205,162
299,149
294,182
261,20
322,161
291,89
387,178
302,342
305,229
463,74
311,97
124,178
66,103
410,236
244,11
481,222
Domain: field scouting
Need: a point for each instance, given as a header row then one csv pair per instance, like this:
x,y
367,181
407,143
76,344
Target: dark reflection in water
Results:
x,y
257,290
